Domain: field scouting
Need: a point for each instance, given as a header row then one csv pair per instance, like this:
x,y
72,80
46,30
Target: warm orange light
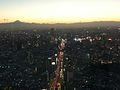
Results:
x,y
64,11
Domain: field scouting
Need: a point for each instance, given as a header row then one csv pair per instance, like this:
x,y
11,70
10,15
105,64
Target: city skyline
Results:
x,y
59,11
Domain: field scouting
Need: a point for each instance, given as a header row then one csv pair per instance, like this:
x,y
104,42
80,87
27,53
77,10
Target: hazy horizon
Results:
x,y
59,11
55,22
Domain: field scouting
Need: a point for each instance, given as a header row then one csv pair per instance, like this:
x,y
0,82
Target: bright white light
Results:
x,y
109,39
49,58
75,39
55,54
53,63
79,39
91,40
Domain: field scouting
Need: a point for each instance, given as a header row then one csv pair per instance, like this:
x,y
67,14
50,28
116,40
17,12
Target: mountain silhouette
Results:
x,y
23,25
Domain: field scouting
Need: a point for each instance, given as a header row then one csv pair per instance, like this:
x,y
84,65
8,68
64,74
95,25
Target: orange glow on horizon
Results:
x,y
58,20
64,11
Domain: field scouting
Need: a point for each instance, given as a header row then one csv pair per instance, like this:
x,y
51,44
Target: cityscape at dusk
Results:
x,y
59,44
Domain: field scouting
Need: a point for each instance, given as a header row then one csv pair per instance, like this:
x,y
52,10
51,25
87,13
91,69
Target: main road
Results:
x,y
57,81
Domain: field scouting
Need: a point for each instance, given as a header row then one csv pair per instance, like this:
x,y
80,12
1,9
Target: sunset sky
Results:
x,y
59,11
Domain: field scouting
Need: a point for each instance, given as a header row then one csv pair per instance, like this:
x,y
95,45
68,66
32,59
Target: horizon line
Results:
x,y
60,22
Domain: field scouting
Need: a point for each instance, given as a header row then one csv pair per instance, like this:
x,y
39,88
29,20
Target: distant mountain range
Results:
x,y
22,25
